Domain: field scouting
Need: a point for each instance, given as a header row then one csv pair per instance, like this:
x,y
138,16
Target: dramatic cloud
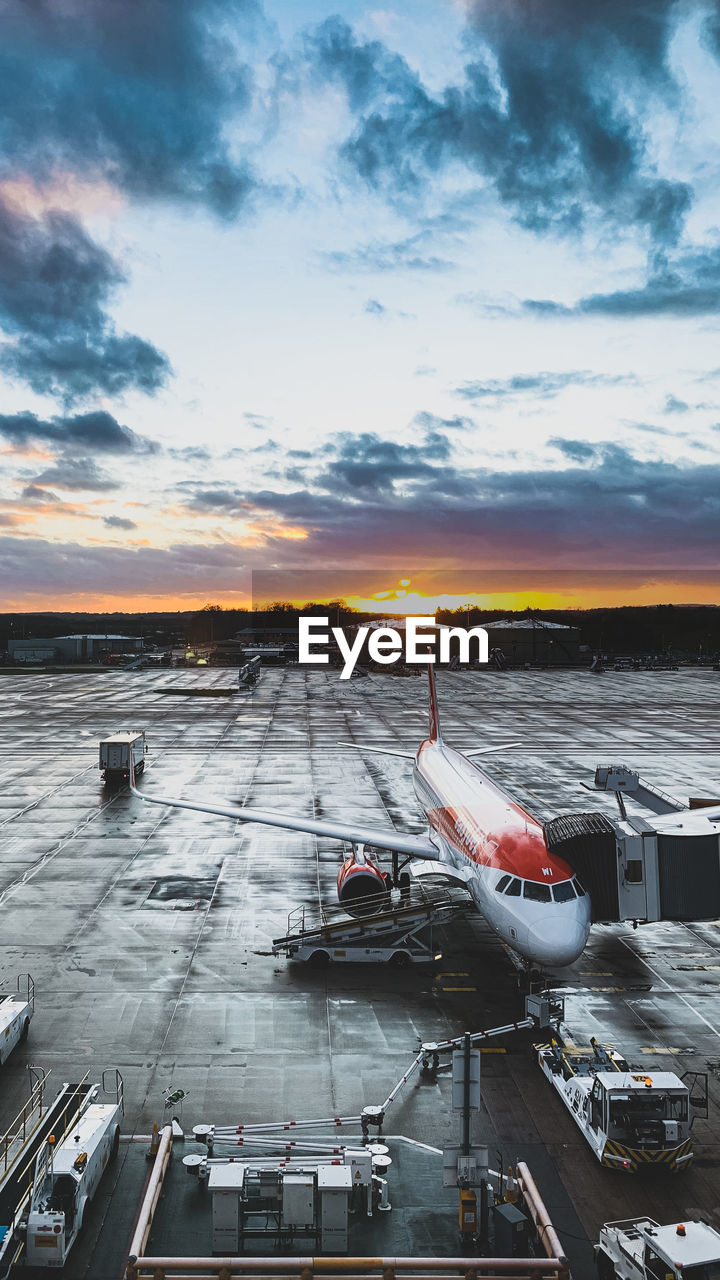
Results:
x,y
673,405
576,450
681,284
33,567
31,493
543,386
98,431
430,422
550,111
55,283
411,254
117,522
593,511
76,473
210,500
137,94
361,464
362,495
75,370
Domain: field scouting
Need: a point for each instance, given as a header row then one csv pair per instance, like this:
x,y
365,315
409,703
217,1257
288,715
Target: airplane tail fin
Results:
x,y
434,734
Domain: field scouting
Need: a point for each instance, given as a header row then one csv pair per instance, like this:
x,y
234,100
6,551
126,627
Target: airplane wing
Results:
x,y
354,832
411,755
381,751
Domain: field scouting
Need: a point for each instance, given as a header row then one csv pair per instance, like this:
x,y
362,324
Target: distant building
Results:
x,y
33,650
533,641
89,648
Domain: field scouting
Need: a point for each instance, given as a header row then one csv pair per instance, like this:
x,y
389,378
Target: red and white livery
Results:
x,y
478,835
529,895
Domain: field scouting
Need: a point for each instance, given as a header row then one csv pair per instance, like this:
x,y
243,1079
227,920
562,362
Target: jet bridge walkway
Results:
x,y
401,933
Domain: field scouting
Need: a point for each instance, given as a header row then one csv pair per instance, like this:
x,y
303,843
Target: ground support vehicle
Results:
x,y
19,1147
630,1118
398,933
119,751
640,1249
67,1177
16,1010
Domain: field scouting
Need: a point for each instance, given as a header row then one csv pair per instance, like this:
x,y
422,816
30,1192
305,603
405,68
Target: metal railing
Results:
x,y
25,1122
345,1268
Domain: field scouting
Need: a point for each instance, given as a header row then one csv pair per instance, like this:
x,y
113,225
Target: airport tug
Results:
x,y
639,1248
66,1179
630,1118
15,1013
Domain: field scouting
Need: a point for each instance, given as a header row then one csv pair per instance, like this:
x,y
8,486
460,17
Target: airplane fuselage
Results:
x,y
527,894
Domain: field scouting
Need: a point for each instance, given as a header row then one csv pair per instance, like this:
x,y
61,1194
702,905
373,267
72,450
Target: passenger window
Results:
x,y
513,889
537,892
564,891
502,884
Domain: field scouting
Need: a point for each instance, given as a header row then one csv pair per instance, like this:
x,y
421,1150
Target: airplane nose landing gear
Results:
x,y
530,980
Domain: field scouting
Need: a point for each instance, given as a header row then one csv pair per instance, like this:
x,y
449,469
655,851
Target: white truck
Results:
x,y
67,1178
631,1119
640,1249
117,751
16,1010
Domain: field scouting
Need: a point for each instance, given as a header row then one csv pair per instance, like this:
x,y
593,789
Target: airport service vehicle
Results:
x,y
640,1249
119,751
16,1010
479,837
67,1178
630,1119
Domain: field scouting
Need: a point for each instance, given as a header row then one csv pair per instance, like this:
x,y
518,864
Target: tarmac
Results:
x,y
148,931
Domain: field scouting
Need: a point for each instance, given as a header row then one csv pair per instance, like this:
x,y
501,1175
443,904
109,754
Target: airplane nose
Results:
x,y
553,942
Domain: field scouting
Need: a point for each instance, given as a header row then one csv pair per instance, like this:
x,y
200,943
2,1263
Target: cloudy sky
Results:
x,y
309,287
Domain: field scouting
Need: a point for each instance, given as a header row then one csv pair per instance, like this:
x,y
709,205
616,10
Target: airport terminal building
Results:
x,y
77,648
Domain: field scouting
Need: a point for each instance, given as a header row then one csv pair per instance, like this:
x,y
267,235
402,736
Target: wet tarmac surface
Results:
x,y
148,931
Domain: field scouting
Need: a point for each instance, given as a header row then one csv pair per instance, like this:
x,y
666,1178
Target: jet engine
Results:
x,y
362,887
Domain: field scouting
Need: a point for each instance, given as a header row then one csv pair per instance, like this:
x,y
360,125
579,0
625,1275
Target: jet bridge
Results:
x,y
660,864
401,933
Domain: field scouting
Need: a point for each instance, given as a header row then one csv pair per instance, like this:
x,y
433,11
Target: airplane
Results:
x,y
479,836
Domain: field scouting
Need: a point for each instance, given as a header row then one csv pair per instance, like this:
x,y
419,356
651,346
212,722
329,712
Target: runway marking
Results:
x,y
607,988
459,988
679,995
33,804
673,1049
42,862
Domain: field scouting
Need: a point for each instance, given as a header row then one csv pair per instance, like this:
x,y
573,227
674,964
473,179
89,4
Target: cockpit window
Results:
x,y
564,891
513,889
581,893
502,884
537,892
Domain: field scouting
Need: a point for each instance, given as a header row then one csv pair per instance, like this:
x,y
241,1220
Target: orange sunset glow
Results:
x,y
646,590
